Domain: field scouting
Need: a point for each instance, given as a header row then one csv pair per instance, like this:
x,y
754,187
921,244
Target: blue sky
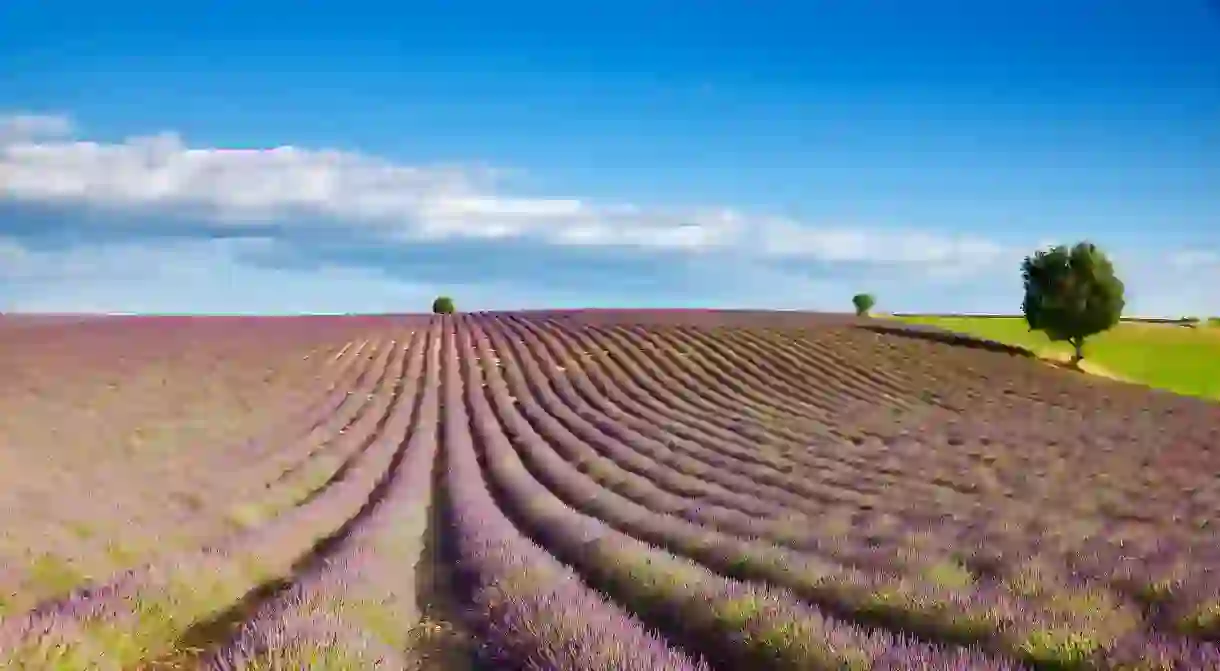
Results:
x,y
259,157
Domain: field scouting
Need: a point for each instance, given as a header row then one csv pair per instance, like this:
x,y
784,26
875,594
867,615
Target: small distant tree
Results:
x,y
443,305
863,303
1071,293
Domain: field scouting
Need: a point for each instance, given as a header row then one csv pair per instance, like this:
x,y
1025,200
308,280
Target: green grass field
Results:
x,y
1183,360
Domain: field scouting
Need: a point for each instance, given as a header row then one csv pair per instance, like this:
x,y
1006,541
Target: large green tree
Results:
x,y
1071,293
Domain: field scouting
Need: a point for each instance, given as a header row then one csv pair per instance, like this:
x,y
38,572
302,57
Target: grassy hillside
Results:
x,y
1180,359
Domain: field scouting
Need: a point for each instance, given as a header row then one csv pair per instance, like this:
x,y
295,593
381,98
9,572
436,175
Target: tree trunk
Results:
x,y
1078,343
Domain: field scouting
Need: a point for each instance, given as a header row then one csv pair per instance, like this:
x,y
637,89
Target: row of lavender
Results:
x,y
138,615
570,445
350,606
909,487
274,470
1174,564
737,622
528,610
194,472
1021,630
1048,578
353,606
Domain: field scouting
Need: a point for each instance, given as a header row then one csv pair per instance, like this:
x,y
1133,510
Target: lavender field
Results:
x,y
591,490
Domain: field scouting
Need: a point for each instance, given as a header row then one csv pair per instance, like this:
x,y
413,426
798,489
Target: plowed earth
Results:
x,y
591,490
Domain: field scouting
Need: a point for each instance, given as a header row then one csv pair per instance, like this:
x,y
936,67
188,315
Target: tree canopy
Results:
x,y
443,305
863,303
1071,293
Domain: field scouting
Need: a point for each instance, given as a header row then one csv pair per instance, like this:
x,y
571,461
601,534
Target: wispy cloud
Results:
x,y
330,231
41,163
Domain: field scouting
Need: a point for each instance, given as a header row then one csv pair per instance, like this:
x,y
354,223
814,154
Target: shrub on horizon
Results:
x,y
863,303
443,305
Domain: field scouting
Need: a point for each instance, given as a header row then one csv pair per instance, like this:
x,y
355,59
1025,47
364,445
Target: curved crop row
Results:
x,y
953,612
749,623
820,490
356,601
589,452
708,422
334,387
866,518
210,510
699,446
89,409
821,449
657,490
284,477
772,454
138,615
531,612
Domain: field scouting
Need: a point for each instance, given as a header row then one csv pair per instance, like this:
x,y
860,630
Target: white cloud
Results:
x,y
407,203
735,258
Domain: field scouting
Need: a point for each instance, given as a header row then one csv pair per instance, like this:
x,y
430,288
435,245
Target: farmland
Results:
x,y
591,490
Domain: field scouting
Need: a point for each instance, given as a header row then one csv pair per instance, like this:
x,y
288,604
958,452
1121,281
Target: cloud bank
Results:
x,y
40,163
166,224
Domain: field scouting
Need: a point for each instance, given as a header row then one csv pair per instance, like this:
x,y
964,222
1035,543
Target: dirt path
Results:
x,y
443,643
